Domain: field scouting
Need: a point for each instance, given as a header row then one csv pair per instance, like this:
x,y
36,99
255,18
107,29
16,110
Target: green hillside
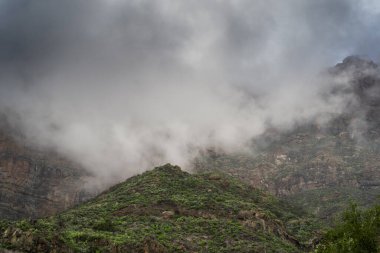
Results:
x,y
168,210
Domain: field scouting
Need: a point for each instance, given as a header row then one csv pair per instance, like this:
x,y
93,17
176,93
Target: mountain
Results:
x,y
35,183
318,170
259,201
320,167
169,210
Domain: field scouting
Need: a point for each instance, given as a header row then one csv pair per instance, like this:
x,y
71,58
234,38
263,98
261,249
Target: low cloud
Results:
x,y
120,86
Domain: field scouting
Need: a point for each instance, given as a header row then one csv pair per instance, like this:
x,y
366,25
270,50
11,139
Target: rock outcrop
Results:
x,y
35,183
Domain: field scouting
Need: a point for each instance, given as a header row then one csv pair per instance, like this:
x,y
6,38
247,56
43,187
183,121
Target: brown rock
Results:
x,y
167,214
35,183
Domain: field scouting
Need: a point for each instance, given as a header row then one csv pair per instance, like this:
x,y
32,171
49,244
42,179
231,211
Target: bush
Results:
x,y
105,224
357,232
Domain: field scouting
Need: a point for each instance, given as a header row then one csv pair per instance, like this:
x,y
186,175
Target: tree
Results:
x,y
357,232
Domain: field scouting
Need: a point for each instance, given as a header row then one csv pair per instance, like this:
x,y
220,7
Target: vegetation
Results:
x,y
357,232
328,203
320,169
168,210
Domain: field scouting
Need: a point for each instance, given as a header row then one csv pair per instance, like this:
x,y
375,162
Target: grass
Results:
x,y
168,210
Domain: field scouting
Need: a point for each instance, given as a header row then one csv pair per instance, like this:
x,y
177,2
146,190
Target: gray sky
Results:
x,y
120,86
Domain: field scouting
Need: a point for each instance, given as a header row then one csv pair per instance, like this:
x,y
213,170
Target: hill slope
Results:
x,y
314,168
168,210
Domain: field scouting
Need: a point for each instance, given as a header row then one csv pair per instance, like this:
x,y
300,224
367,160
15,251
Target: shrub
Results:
x,y
357,232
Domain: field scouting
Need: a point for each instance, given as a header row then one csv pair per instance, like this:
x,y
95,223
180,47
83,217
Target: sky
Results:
x,y
121,86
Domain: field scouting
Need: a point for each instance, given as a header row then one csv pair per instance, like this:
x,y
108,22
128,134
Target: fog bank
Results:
x,y
120,86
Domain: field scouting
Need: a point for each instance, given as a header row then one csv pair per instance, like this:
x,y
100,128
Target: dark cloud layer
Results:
x,y
121,85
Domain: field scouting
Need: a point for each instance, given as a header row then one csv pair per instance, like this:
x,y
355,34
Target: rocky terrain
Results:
x,y
322,172
168,210
321,167
35,183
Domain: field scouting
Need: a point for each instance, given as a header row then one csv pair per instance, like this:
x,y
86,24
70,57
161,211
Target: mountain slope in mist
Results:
x,y
121,86
33,182
168,210
320,166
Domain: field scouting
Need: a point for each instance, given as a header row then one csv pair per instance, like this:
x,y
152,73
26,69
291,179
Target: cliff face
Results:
x,y
305,159
35,183
320,167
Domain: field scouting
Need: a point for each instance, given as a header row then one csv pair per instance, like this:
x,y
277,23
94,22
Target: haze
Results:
x,y
120,86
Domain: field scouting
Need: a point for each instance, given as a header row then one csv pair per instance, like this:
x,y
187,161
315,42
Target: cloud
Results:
x,y
119,86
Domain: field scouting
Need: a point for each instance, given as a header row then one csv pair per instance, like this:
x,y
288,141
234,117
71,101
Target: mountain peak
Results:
x,y
169,168
356,63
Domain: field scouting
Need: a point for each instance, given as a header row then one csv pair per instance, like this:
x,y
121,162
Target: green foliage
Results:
x,y
4,224
328,203
178,212
24,225
358,232
104,224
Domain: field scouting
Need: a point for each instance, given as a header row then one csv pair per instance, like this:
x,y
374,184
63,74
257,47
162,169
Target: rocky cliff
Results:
x,y
35,183
318,166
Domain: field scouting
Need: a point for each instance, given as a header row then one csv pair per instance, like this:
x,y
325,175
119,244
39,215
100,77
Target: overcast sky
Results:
x,y
120,86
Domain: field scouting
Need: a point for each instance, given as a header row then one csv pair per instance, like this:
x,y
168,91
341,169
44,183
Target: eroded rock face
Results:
x,y
364,84
319,164
35,183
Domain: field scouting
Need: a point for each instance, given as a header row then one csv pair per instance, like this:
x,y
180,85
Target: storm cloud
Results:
x,y
119,86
